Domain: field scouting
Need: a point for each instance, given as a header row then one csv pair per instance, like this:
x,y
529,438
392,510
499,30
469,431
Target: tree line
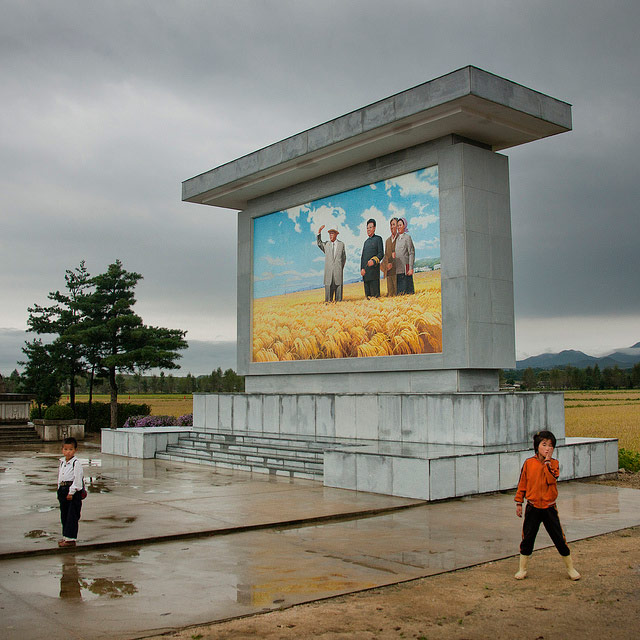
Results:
x,y
574,378
218,381
96,336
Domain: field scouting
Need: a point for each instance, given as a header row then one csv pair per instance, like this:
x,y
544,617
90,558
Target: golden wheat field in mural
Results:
x,y
300,326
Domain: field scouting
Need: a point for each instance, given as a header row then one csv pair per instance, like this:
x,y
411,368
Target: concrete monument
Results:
x,y
400,393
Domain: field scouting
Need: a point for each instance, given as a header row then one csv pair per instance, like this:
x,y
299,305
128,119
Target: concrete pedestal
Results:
x,y
58,430
427,423
14,408
139,442
429,446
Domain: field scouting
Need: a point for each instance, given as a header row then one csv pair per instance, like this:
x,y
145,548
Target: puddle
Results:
x,y
42,508
37,533
110,588
118,556
72,584
124,519
96,486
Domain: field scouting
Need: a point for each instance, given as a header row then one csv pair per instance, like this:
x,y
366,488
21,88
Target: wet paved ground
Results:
x,y
134,590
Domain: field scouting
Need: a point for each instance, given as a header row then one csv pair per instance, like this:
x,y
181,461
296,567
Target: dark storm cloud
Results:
x,y
107,107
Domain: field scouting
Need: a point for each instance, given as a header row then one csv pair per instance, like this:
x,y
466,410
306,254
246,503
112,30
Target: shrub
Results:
x,y
36,413
186,420
629,460
59,412
152,421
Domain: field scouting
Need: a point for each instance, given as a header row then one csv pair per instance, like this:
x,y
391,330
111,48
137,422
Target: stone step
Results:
x,y
296,456
319,443
248,458
252,448
17,434
279,470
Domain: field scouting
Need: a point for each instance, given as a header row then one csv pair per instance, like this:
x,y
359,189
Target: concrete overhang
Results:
x,y
469,102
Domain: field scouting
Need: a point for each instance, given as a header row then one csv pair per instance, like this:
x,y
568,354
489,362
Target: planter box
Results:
x,y
139,442
56,430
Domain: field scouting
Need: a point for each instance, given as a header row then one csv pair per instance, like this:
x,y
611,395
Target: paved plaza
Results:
x,y
166,545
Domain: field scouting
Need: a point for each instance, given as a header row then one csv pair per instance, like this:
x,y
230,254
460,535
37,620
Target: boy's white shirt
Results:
x,y
70,472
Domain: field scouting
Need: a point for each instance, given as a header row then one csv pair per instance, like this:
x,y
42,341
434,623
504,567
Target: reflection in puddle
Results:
x,y
96,485
276,591
72,584
111,588
70,579
122,554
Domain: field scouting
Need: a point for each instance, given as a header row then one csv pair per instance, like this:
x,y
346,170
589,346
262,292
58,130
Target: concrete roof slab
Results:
x,y
469,102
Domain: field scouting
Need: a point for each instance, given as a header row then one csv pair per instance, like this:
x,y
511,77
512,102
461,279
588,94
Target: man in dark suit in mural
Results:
x,y
372,253
335,257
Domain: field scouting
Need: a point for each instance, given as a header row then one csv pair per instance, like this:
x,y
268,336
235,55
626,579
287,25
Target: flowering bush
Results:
x,y
186,420
151,421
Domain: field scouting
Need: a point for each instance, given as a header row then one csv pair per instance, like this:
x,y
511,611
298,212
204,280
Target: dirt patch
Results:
x,y
476,603
627,480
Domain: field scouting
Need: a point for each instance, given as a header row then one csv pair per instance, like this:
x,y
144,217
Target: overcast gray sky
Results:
x,y
107,107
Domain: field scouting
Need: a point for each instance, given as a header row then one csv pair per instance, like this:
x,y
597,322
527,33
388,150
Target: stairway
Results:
x,y
292,456
18,434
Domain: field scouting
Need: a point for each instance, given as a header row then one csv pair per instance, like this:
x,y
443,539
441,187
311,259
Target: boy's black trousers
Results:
x,y
549,517
69,512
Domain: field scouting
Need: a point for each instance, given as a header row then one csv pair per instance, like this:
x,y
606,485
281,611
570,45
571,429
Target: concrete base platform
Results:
x,y
135,500
436,472
120,592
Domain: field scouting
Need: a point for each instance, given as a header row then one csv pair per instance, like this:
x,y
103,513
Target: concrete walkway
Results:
x,y
237,543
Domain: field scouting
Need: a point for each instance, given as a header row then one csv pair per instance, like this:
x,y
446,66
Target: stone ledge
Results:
x,y
437,472
139,442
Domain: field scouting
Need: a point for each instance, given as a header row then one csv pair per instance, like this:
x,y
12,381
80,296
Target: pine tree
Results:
x,y
62,320
117,335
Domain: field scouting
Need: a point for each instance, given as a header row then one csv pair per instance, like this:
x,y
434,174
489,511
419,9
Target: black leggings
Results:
x,y
69,512
549,517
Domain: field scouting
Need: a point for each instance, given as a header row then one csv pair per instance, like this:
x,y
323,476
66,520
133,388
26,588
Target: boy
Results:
x,y
539,484
70,487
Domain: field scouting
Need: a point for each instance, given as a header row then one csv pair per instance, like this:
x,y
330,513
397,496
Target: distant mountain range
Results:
x,y
624,358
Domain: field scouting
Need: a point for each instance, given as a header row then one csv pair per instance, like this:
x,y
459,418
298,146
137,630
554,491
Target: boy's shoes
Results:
x,y
522,570
67,543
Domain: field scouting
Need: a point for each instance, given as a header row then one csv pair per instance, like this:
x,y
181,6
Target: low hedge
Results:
x,y
101,413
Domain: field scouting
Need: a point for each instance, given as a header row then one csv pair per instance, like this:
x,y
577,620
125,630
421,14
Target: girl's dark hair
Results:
x,y
72,441
543,435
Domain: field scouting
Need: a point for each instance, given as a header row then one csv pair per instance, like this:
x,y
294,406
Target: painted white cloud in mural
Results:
x,y
416,183
294,251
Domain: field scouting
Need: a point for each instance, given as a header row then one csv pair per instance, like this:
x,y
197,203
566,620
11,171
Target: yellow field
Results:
x,y
604,414
161,404
300,326
590,414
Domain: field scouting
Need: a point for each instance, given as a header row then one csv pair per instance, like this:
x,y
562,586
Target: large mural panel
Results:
x,y
300,311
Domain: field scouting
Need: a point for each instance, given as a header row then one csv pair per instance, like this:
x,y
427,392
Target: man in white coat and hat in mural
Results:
x,y
335,257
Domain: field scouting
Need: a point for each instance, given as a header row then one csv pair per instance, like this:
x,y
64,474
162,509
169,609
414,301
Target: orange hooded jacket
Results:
x,y
538,482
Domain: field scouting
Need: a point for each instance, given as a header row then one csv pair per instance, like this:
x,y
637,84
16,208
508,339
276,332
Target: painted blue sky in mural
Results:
x,y
286,257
